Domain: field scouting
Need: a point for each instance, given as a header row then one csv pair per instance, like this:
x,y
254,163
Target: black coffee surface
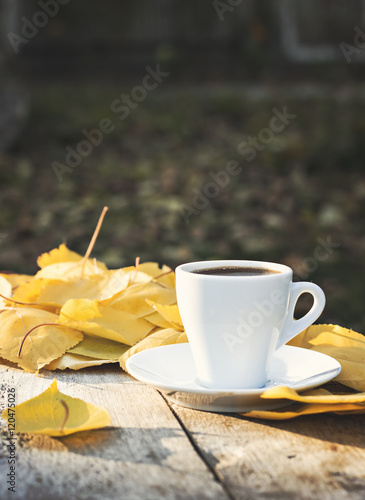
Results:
x,y
236,271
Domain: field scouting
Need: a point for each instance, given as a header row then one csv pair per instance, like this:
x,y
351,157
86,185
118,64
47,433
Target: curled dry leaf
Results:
x,y
136,298
310,402
98,348
104,321
156,339
75,362
170,313
343,344
42,345
16,279
56,414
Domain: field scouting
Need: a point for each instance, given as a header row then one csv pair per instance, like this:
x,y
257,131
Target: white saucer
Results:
x,y
170,369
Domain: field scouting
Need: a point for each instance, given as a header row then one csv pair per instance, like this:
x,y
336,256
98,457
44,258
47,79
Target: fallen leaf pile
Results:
x,y
76,313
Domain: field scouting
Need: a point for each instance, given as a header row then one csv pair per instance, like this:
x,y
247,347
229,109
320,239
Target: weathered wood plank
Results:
x,y
144,454
315,457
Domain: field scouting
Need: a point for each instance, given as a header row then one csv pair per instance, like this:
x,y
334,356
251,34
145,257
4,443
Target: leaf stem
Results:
x,y
67,413
94,238
30,331
18,302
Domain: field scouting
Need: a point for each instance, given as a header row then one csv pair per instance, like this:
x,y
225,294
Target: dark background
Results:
x,y
300,201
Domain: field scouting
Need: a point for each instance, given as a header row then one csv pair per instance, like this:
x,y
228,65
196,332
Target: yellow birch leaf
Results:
x,y
343,344
170,313
161,337
156,319
76,362
152,269
131,277
308,403
60,254
297,410
104,321
71,270
100,287
28,293
312,396
134,298
5,290
16,279
42,345
79,310
98,348
55,414
29,290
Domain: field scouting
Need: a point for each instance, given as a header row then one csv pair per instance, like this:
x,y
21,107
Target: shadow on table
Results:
x,y
348,430
129,444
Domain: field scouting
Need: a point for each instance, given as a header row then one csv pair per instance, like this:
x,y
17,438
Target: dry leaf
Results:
x,y
75,362
56,414
29,291
95,347
57,255
157,320
346,346
308,403
70,270
42,345
165,275
103,321
102,287
313,396
135,298
16,279
170,313
156,339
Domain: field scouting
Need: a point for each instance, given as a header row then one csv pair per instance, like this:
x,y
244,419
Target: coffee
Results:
x,y
235,271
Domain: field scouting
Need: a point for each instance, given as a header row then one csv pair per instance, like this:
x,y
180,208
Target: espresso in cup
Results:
x,y
236,271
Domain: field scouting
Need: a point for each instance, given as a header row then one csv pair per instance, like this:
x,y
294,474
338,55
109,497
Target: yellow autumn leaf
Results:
x,y
57,255
157,320
29,291
170,313
102,286
71,270
135,298
75,362
56,414
95,347
16,279
104,321
298,410
308,403
343,344
5,290
313,396
42,345
161,337
163,275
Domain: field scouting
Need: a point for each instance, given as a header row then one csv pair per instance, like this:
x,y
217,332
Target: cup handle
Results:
x,y
294,326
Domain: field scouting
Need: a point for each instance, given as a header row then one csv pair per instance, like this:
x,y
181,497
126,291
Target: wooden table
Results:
x,y
157,450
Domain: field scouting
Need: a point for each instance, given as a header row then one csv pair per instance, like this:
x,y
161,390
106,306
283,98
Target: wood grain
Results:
x,y
316,457
145,454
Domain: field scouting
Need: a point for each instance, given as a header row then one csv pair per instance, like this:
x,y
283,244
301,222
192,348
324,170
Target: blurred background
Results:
x,y
212,129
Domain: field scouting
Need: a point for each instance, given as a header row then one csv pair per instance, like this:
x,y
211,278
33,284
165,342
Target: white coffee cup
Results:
x,y
235,323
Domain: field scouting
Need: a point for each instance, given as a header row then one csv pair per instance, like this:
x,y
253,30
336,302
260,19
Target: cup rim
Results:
x,y
189,267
